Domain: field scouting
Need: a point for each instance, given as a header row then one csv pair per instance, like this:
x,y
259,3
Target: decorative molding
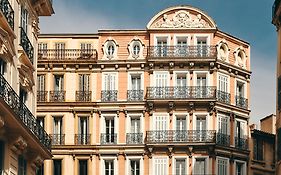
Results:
x,y
19,145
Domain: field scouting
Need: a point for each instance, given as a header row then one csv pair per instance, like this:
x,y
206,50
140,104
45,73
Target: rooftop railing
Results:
x,y
10,97
67,54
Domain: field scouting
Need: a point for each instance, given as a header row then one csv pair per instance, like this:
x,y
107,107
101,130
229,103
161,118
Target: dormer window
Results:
x,y
136,49
241,58
223,52
110,50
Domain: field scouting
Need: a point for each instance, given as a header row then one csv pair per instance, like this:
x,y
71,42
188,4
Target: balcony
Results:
x,y
43,7
134,138
180,136
26,45
181,52
191,92
223,97
241,143
42,96
108,139
57,96
67,55
223,139
82,139
109,95
241,102
8,12
12,100
135,95
83,96
58,139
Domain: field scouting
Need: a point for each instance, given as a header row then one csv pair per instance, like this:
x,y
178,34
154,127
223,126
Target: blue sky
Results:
x,y
249,20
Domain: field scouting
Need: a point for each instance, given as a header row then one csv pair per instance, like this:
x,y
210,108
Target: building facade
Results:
x,y
24,144
262,146
169,99
276,20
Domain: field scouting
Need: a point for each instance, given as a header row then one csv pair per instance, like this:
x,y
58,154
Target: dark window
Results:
x,y
279,92
3,65
2,155
40,170
109,167
135,167
23,96
279,144
258,149
21,165
83,167
57,167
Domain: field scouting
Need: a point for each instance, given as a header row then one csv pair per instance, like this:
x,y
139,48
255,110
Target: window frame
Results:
x,y
174,169
217,164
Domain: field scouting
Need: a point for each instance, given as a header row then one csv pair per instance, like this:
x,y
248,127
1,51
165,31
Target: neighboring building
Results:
x,y
262,146
276,20
24,144
169,99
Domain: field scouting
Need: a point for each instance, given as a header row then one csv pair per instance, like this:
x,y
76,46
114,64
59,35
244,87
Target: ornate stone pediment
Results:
x,y
182,17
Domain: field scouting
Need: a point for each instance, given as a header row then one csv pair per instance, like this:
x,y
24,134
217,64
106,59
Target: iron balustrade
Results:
x,y
241,102
8,12
223,139
180,136
58,139
42,96
241,143
186,92
68,54
106,138
26,45
82,139
134,138
10,97
109,95
135,95
223,97
57,96
83,96
182,51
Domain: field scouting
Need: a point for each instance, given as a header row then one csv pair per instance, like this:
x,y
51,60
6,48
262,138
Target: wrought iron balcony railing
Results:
x,y
83,96
67,54
107,139
188,92
135,95
134,138
180,136
42,96
241,143
8,12
109,95
58,139
57,96
26,45
241,102
183,52
223,139
223,97
10,97
82,139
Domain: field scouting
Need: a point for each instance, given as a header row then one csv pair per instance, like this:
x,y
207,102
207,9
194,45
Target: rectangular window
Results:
x,y
201,80
222,166
24,19
240,129
58,85
223,124
83,167
84,84
202,46
181,80
23,96
109,130
83,130
239,169
223,83
22,165
258,149
40,121
59,51
134,167
161,79
160,166
181,167
160,123
135,125
58,125
40,170
136,82
2,155
162,46
181,123
239,89
109,167
3,67
43,49
41,82
57,167
109,82
199,166
181,48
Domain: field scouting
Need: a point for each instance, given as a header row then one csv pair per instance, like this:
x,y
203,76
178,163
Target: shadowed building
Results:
x,y
168,99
